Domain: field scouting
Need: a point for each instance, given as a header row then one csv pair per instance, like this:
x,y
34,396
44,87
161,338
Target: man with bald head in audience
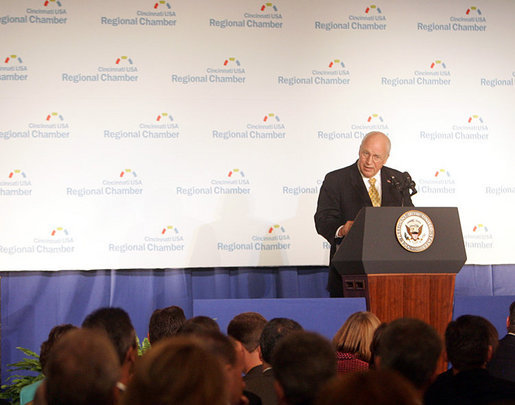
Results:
x,y
344,192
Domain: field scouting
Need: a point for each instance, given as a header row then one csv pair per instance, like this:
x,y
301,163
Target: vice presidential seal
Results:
x,y
415,231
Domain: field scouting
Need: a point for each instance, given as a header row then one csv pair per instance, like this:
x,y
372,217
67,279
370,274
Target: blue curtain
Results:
x,y
33,302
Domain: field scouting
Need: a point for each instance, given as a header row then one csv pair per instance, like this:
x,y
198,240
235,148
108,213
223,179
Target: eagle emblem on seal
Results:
x,y
414,231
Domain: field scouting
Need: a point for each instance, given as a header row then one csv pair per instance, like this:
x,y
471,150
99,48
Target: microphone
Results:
x,y
396,183
406,186
409,184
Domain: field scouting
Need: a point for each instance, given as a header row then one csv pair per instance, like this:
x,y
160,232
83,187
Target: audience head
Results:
x,y
246,328
165,322
302,363
510,322
374,387
118,326
177,371
468,342
82,369
274,330
199,324
56,333
412,348
355,336
374,345
230,355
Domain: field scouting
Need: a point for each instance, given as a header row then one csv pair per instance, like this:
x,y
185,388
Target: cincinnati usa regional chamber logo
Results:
x,y
415,231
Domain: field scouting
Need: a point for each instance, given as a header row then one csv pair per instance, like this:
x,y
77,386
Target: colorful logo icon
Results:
x,y
59,230
127,172
234,172
438,63
162,3
441,172
231,60
480,228
169,229
12,58
270,116
124,59
276,229
53,116
475,117
57,2
163,117
473,10
336,62
374,117
268,5
17,173
372,8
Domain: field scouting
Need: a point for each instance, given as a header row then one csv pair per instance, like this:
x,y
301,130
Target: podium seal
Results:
x,y
415,231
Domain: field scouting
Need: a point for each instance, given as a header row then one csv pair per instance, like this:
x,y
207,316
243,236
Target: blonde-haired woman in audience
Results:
x,y
352,342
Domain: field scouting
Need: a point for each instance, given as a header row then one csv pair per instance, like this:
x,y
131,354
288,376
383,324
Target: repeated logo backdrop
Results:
x,y
153,134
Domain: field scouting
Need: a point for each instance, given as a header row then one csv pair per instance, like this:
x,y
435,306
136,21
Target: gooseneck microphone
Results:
x,y
405,185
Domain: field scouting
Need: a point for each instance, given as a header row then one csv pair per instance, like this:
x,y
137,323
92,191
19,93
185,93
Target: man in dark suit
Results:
x,y
502,364
469,348
345,191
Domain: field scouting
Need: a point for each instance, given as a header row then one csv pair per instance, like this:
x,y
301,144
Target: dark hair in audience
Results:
x,y
218,344
511,318
246,328
224,348
302,363
355,335
374,345
165,322
56,333
411,347
177,371
117,323
199,324
467,341
493,336
374,387
82,369
274,330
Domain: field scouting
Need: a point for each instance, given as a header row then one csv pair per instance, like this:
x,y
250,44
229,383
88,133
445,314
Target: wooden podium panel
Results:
x,y
428,297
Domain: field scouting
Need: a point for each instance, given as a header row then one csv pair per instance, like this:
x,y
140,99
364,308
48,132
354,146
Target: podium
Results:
x,y
403,281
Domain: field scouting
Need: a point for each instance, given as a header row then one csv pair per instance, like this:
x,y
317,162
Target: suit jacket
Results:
x,y
262,384
342,195
502,364
470,387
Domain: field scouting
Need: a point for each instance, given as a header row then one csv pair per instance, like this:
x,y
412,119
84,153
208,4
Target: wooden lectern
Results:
x,y
395,281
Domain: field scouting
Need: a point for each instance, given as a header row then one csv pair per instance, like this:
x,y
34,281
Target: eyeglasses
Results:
x,y
375,158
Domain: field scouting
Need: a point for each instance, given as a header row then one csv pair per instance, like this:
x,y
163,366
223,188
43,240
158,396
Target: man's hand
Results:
x,y
344,230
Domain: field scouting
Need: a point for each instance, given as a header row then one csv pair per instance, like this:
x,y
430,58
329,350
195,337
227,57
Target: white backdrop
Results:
x,y
147,134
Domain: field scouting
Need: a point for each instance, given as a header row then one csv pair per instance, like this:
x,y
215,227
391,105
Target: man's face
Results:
x,y
373,154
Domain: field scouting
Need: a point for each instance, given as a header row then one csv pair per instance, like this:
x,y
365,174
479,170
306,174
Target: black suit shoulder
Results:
x,y
502,364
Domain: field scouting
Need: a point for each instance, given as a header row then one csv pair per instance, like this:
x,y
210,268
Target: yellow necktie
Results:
x,y
373,193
